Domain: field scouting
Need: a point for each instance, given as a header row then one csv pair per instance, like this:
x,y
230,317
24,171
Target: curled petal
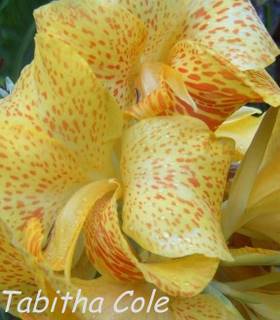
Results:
x,y
107,36
174,173
216,85
112,255
233,29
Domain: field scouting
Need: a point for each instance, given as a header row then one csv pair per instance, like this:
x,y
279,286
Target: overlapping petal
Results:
x,y
174,173
113,255
106,246
213,87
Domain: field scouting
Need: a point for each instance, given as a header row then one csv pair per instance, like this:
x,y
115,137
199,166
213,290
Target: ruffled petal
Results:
x,y
38,175
241,127
174,173
216,85
106,35
233,29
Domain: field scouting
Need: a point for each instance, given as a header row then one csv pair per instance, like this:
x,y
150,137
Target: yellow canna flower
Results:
x,y
84,190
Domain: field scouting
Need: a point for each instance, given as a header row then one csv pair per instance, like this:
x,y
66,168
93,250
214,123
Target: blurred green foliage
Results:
x,y
17,30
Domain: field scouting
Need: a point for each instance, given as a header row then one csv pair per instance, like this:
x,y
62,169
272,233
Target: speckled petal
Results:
x,y
162,91
110,291
216,85
107,36
201,307
184,277
233,29
174,173
112,255
162,18
64,240
106,246
38,175
241,127
16,271
59,94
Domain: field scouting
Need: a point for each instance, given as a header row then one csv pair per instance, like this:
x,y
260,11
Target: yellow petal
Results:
x,y
102,288
68,103
217,86
247,256
233,29
112,255
268,306
17,272
202,307
241,127
184,277
233,212
174,173
268,279
59,253
38,175
161,19
262,214
107,36
106,246
160,87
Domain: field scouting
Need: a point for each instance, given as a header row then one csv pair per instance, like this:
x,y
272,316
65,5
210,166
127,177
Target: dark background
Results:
x,y
17,30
